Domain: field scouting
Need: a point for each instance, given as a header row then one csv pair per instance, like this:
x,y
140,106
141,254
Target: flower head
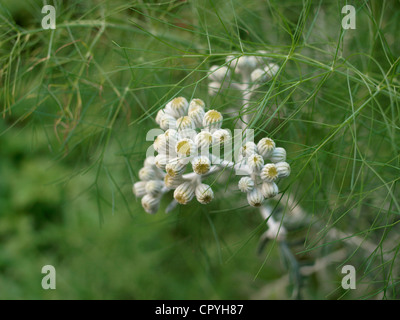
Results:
x,y
255,198
150,203
204,193
184,192
269,172
185,148
278,155
246,184
269,189
265,147
201,165
212,120
177,107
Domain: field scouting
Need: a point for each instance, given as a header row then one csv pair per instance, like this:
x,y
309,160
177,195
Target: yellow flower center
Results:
x,y
214,115
201,168
183,147
177,103
272,172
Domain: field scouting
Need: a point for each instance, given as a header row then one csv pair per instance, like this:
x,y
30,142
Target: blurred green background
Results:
x,y
78,101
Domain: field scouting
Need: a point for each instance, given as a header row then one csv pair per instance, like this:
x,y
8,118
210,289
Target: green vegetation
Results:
x,y
79,100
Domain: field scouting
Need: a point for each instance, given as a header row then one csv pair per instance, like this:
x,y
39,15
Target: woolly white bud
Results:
x,y
184,123
248,149
255,198
283,169
271,69
177,107
201,165
161,161
219,74
246,184
175,167
154,187
278,155
195,103
139,188
255,162
221,136
146,174
257,75
160,144
269,189
265,147
196,113
150,203
269,172
204,193
212,120
213,88
185,148
203,139
184,193
167,121
149,161
159,115
245,64
172,182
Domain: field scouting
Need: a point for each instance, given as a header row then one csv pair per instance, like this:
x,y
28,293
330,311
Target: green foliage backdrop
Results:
x,y
77,103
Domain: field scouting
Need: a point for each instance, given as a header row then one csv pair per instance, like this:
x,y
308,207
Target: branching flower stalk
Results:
x,y
254,73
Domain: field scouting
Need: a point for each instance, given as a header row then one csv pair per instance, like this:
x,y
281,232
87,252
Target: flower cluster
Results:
x,y
260,183
190,131
252,69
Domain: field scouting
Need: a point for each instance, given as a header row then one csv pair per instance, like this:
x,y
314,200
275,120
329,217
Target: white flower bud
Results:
x,y
139,188
184,193
213,88
212,120
172,182
175,167
204,193
265,147
248,149
172,136
201,165
278,155
146,174
203,139
269,172
255,198
185,148
150,203
160,144
283,169
177,107
258,75
271,69
269,189
255,162
184,123
159,115
167,122
154,187
246,184
196,113
161,161
245,64
219,74
195,103
221,136
150,161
